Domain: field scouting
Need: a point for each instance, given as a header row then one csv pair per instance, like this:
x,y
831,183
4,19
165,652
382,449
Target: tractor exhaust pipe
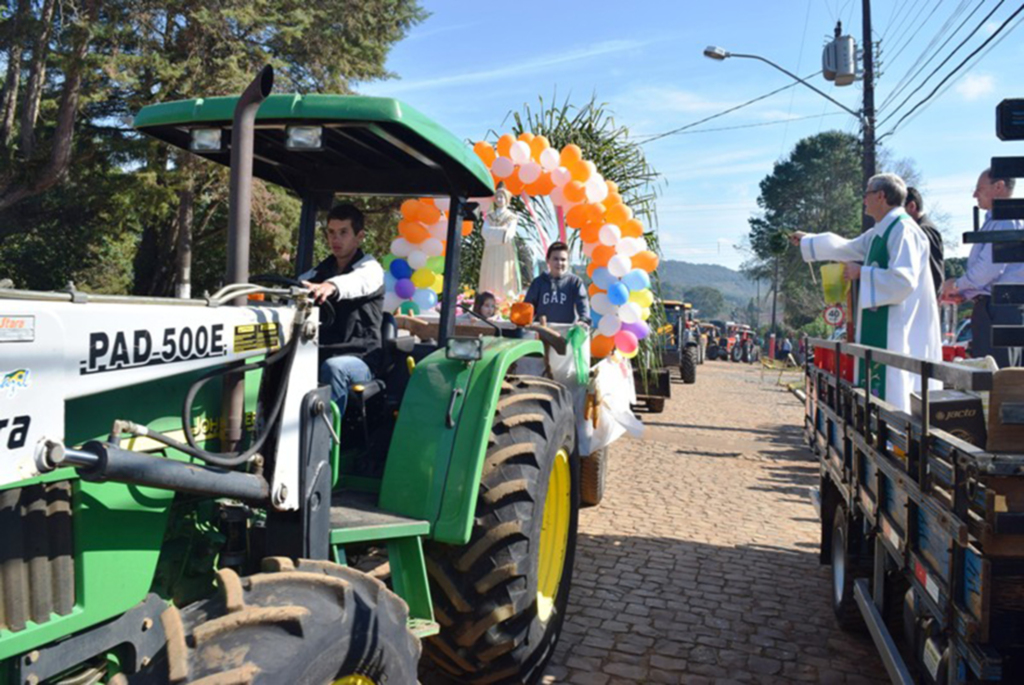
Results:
x,y
243,130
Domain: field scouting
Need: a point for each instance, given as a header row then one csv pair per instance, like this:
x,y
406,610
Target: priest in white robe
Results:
x,y
897,307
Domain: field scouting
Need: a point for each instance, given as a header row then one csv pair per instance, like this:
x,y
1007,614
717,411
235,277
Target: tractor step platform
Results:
x,y
421,628
356,518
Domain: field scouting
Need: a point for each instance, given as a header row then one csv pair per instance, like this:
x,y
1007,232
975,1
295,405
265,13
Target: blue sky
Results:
x,y
470,63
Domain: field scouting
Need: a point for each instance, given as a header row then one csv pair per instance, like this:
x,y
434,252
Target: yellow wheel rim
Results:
x,y
554,535
354,680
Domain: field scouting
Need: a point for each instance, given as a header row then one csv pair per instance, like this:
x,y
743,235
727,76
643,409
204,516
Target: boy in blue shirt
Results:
x,y
559,295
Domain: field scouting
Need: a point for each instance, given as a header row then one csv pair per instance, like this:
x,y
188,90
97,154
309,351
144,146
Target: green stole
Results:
x,y
874,323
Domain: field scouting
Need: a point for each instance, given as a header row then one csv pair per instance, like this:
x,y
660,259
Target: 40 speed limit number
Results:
x,y
834,315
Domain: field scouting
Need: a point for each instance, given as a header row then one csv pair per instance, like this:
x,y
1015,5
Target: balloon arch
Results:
x,y
620,263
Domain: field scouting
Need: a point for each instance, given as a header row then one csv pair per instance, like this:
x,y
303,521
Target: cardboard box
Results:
x,y
956,412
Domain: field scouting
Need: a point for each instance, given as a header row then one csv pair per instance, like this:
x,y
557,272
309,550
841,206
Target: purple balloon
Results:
x,y
405,288
640,329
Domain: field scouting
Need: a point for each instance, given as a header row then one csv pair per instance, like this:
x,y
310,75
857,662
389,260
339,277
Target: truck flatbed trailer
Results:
x,y
924,531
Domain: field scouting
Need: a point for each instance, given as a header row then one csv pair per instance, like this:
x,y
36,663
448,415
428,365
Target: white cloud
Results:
x,y
974,86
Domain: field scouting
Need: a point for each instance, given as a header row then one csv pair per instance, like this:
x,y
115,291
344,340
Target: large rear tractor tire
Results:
x,y
688,365
305,622
593,470
501,598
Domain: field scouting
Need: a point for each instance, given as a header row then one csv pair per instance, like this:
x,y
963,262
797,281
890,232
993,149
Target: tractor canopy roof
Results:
x,y
368,145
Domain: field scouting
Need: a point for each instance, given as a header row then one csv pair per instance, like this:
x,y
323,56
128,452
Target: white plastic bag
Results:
x,y
611,393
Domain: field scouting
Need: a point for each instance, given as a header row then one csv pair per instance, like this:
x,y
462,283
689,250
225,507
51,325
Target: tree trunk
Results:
x,y
37,76
183,253
56,167
12,82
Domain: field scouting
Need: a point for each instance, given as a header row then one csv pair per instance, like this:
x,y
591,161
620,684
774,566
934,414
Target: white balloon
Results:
x,y
503,167
400,247
630,313
529,172
627,247
434,247
561,176
550,159
418,259
520,152
391,302
588,249
620,266
557,197
439,230
597,189
609,234
443,203
609,325
602,305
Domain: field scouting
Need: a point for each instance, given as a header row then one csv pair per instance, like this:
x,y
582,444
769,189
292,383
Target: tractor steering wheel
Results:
x,y
327,311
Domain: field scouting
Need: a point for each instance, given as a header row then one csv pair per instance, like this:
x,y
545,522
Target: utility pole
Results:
x,y
868,121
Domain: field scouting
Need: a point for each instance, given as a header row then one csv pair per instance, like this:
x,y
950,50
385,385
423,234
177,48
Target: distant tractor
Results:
x,y
683,346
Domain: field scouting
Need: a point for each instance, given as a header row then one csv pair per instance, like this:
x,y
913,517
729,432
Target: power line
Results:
x,y
958,67
675,131
949,57
799,60
912,25
764,123
910,74
908,77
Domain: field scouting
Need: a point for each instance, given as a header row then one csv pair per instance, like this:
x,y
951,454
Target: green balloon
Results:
x,y
410,308
436,264
386,262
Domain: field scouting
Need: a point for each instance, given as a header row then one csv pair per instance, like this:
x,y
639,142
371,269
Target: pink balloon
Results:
x,y
502,167
626,341
529,172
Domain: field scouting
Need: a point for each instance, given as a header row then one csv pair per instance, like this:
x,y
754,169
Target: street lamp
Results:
x,y
721,54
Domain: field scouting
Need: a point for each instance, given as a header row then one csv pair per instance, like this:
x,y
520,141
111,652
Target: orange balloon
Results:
x,y
411,210
505,144
595,213
570,154
590,232
618,214
538,145
602,253
601,346
514,185
579,170
429,214
574,191
613,198
592,290
646,260
467,228
545,183
485,152
632,229
413,231
590,269
612,186
526,137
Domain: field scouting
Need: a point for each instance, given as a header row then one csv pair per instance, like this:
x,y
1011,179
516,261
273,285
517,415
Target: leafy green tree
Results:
x,y
76,77
707,300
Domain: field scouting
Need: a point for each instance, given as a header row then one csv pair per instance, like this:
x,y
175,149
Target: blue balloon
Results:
x,y
637,279
400,269
425,298
389,282
618,294
595,318
603,278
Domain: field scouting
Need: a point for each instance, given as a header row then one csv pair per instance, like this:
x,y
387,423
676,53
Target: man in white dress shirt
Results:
x,y
897,308
982,273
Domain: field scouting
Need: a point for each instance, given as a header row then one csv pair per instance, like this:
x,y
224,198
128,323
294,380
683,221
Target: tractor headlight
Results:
x,y
304,137
465,349
205,140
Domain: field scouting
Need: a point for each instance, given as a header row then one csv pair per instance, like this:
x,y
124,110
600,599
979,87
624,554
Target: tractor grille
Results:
x,y
37,571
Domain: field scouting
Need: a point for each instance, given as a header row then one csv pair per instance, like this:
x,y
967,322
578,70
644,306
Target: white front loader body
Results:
x,y
54,351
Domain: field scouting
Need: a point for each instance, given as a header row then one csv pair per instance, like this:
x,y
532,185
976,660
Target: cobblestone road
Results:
x,y
701,564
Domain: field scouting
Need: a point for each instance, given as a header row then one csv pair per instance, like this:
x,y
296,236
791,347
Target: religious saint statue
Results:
x,y
499,268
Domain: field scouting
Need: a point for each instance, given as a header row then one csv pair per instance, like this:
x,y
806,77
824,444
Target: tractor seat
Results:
x,y
361,393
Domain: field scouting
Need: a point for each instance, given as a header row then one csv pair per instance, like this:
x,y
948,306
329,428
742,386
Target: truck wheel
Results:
x,y
846,567
592,476
298,622
688,365
712,352
501,598
655,405
736,353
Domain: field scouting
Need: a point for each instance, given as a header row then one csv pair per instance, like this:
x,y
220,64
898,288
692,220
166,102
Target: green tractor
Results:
x,y
181,502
